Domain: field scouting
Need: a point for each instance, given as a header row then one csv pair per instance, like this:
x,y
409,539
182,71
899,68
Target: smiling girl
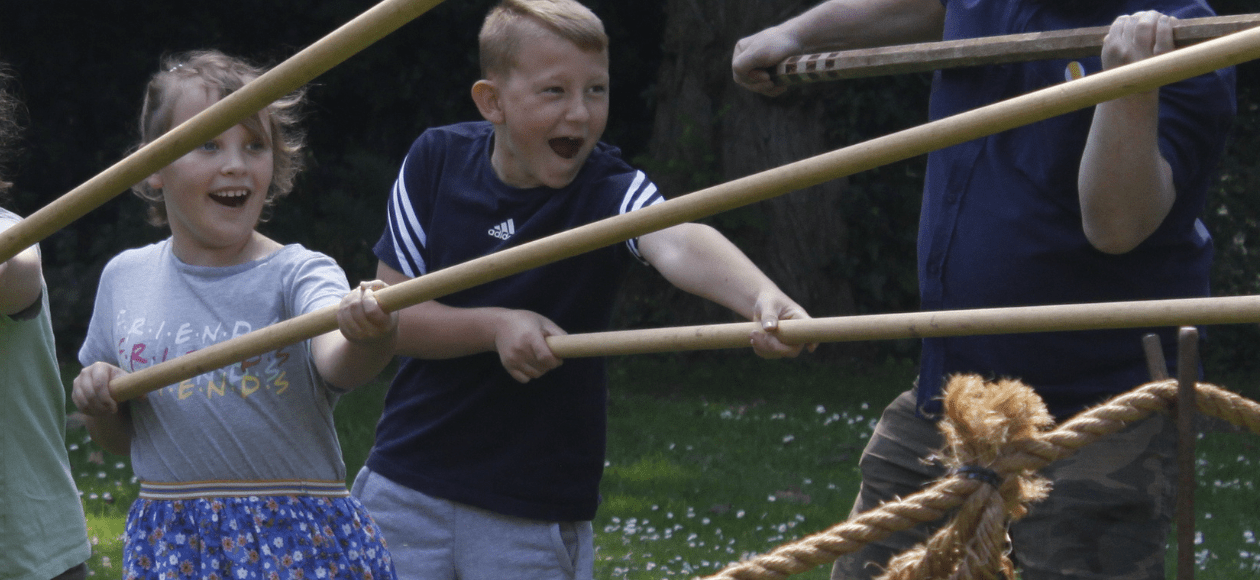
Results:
x,y
241,472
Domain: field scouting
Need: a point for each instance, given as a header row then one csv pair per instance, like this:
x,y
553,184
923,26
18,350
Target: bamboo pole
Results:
x,y
281,80
929,56
1013,320
1137,77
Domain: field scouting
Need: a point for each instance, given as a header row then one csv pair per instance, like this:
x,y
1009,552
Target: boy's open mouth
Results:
x,y
231,197
566,147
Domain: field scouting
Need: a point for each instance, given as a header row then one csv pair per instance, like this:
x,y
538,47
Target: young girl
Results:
x,y
42,529
241,473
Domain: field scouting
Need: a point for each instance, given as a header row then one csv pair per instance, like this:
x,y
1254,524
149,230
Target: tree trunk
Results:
x,y
709,130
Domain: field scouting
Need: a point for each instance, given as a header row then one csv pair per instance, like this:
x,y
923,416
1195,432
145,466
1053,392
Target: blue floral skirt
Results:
x,y
263,537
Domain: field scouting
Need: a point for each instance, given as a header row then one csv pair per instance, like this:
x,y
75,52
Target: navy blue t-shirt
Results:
x,y
1001,219
463,429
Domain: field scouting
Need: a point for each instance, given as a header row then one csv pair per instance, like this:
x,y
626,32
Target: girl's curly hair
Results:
x,y
218,73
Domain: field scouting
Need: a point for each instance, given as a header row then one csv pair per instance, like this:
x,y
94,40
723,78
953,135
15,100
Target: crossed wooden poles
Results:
x,y
391,14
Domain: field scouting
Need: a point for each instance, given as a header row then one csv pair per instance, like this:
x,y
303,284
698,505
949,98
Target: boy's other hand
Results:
x,y
91,390
361,318
1136,37
769,311
521,341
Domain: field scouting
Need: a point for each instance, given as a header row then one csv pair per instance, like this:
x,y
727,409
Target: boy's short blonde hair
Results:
x,y
500,38
221,74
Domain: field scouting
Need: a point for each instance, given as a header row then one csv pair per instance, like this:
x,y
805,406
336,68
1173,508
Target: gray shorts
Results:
x,y
1107,516
431,538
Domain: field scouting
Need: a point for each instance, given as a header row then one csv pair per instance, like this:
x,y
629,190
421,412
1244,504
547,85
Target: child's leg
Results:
x,y
496,546
417,528
436,538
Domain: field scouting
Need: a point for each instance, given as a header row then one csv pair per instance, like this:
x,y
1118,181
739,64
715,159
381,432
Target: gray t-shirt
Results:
x,y
269,417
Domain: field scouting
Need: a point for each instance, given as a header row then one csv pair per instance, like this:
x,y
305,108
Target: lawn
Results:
x,y
710,463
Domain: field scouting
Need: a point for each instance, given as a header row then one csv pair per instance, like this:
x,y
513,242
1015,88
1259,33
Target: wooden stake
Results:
x,y
285,78
1055,318
1155,363
1134,78
929,56
1187,382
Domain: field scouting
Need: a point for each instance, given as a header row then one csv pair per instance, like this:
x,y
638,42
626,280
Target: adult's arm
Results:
x,y
1125,184
834,25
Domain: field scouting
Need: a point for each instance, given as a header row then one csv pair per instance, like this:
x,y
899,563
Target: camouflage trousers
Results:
x,y
1108,514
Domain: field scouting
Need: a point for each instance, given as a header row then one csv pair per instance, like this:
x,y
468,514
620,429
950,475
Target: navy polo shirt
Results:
x,y
462,429
1001,221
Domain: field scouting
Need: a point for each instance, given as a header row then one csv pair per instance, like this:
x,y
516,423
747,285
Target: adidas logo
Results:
x,y
503,231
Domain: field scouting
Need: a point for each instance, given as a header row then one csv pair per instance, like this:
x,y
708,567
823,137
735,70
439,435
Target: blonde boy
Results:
x,y
475,475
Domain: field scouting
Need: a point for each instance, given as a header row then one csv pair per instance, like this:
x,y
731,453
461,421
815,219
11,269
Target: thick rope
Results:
x,y
1024,451
983,423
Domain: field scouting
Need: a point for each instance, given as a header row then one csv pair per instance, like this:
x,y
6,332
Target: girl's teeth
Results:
x,y
234,197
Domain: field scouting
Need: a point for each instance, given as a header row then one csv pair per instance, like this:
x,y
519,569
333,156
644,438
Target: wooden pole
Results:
x,y
286,77
929,56
1134,78
1055,318
1155,363
1187,382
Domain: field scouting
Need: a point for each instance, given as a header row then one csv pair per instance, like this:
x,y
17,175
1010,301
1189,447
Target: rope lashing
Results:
x,y
1023,448
983,423
978,473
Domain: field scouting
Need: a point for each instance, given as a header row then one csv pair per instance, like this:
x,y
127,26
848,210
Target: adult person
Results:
x,y
1092,206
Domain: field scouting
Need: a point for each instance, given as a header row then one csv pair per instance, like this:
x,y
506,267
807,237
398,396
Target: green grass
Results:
x,y
1227,507
709,463
107,489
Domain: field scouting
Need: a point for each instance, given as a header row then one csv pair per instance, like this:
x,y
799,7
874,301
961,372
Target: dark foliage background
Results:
x,y
81,67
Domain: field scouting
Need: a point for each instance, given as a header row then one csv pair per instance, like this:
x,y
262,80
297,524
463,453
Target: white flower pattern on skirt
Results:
x,y
254,538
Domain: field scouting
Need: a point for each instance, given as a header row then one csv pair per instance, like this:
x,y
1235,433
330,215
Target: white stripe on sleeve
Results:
x,y
639,178
403,221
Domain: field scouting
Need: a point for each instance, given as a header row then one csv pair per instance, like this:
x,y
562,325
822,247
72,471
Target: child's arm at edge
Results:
x,y
20,281
364,342
108,422
432,330
700,260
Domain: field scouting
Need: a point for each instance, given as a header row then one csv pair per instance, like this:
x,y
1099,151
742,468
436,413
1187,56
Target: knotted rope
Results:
x,y
996,428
